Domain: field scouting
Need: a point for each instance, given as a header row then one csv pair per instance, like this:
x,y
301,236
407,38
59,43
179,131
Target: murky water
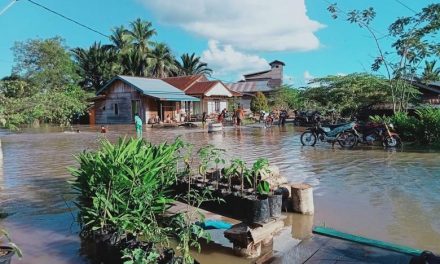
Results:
x,y
387,195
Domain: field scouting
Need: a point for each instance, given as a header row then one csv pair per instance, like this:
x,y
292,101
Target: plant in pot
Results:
x,y
258,205
210,159
6,252
275,198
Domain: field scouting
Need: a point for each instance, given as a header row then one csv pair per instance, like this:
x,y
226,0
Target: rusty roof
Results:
x,y
250,87
201,87
184,82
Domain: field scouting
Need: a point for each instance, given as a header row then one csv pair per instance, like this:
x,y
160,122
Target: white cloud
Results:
x,y
262,25
226,61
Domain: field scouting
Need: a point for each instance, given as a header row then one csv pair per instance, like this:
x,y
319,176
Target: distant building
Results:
x,y
430,92
124,96
213,95
264,81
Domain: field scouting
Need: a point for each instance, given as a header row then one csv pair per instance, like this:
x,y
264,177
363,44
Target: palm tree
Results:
x,y
120,39
141,33
96,65
430,73
133,63
192,65
161,61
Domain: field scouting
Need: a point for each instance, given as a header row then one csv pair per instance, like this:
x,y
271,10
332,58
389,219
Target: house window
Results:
x,y
217,105
116,109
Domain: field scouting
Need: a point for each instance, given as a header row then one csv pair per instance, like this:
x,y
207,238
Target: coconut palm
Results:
x,y
120,39
191,65
161,61
430,73
133,63
141,33
96,65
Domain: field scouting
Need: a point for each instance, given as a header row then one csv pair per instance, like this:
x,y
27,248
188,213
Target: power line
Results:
x,y
70,19
7,7
405,5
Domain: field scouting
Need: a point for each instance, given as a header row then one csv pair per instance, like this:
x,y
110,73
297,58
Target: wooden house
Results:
x,y
264,81
213,95
124,96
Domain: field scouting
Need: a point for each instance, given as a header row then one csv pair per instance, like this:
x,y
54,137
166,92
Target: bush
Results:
x,y
259,103
126,186
424,128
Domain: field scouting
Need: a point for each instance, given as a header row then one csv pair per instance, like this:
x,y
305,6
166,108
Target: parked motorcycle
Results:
x,y
371,132
344,134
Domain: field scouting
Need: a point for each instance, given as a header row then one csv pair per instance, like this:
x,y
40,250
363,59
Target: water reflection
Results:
x,y
394,196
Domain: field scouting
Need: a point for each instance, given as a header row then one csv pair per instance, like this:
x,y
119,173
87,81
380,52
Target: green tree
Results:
x,y
259,103
43,87
347,94
414,42
45,63
96,65
140,34
161,61
430,72
191,65
287,97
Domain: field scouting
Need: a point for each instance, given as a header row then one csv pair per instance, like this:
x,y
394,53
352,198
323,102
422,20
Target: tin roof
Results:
x,y
201,87
250,87
152,87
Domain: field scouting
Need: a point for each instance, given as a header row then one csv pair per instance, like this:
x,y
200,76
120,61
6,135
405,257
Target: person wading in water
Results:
x,y
138,124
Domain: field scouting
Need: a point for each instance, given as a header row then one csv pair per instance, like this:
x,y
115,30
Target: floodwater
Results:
x,y
387,195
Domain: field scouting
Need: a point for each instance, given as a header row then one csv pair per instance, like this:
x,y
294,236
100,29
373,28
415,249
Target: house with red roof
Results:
x,y
213,95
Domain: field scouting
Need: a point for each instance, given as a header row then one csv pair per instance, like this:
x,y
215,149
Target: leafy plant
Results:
x,y
210,158
263,188
259,166
126,186
139,256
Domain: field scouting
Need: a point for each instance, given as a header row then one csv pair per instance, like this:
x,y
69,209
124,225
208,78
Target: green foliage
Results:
x,y
347,94
210,157
259,103
139,256
43,87
192,65
414,41
96,65
287,97
424,128
430,72
126,186
45,64
263,188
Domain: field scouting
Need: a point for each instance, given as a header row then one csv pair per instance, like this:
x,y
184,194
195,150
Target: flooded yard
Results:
x,y
387,195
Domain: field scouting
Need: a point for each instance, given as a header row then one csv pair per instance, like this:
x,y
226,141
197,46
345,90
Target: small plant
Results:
x,y
263,188
259,166
210,157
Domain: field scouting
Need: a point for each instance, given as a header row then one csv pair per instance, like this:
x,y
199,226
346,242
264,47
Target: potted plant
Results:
x,y
275,198
6,252
258,210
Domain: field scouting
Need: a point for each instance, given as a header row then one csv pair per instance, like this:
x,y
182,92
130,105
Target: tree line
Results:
x,y
51,83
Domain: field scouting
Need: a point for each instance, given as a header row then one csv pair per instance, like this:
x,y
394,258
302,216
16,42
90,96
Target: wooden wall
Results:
x,y
121,94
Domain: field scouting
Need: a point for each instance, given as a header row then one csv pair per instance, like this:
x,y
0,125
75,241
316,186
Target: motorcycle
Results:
x,y
344,134
371,132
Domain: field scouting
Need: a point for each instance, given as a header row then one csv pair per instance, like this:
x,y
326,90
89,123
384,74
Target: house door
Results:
x,y
136,108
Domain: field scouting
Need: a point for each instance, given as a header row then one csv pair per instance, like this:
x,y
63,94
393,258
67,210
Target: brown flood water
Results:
x,y
386,195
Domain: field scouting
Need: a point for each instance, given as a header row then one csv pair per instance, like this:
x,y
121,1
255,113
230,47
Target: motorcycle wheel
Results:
x,y
392,142
308,138
347,139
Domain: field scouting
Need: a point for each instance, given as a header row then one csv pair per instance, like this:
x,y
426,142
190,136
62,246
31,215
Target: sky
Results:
x,y
234,37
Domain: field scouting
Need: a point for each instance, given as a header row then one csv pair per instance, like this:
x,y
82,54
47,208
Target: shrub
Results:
x,y
126,186
259,103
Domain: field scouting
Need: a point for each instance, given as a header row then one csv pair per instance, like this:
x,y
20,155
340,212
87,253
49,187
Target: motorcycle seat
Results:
x,y
335,126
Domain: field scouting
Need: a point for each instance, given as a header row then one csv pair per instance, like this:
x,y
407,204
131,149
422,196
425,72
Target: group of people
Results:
x,y
237,116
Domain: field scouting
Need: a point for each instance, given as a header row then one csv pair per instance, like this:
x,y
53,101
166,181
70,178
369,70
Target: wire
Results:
x,y
7,7
70,19
407,7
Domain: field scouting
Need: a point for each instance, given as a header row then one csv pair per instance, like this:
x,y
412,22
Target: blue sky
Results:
x,y
233,36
